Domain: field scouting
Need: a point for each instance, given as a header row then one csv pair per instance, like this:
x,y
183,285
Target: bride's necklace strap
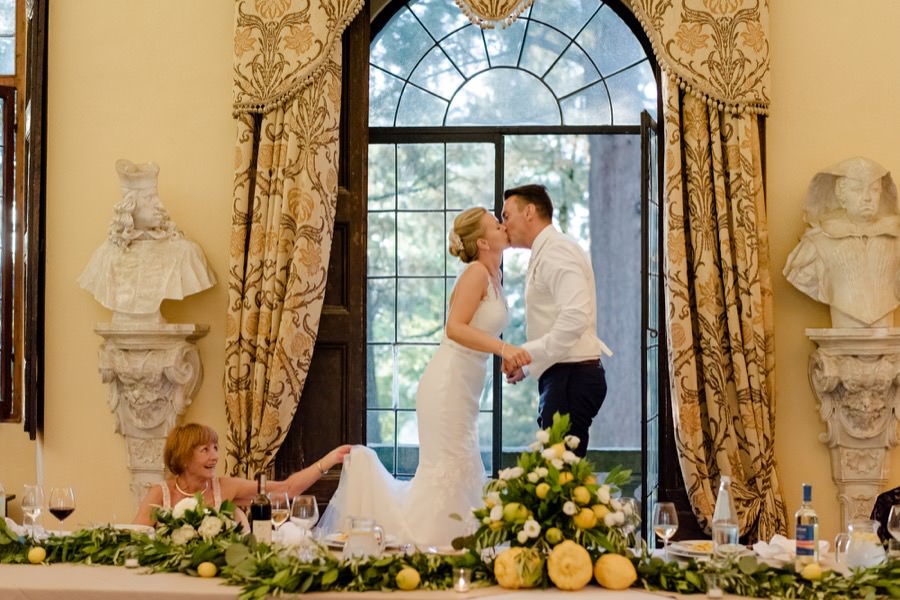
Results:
x,y
184,493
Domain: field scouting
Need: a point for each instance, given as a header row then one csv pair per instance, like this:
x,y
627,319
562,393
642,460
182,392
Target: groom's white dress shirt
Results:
x,y
560,303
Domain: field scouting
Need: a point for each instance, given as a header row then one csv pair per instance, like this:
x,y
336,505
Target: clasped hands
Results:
x,y
514,358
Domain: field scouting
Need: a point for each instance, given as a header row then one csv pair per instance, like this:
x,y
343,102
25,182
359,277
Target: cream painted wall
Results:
x,y
142,80
150,80
835,93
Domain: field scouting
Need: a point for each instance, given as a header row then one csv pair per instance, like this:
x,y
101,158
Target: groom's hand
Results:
x,y
514,376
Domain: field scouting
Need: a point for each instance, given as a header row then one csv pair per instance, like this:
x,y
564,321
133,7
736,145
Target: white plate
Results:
x,y
133,527
338,539
691,548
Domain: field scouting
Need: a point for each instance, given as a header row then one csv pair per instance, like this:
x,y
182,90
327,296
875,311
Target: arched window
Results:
x,y
456,115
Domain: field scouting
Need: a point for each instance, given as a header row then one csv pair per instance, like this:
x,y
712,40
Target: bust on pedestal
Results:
x,y
153,367
849,258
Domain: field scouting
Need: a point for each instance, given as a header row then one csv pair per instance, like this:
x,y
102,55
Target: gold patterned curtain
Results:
x,y
714,55
287,98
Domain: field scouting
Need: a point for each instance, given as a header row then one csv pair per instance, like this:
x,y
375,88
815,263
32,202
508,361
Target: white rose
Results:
x,y
210,527
522,537
603,494
532,528
610,519
542,472
516,472
570,457
533,477
497,513
183,535
615,504
558,463
572,441
183,506
549,454
542,436
535,446
569,508
492,499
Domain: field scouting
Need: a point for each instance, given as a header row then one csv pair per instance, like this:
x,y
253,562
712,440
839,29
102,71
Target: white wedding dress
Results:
x,y
450,476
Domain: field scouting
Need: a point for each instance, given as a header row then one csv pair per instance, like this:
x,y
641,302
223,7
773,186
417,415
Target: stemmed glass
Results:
x,y
665,523
32,503
61,504
893,523
632,511
304,511
281,508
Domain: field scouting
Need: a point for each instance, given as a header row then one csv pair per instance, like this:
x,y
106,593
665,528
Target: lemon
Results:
x,y
553,535
614,571
581,495
600,510
565,477
812,571
569,566
207,569
585,519
518,567
408,579
36,555
542,489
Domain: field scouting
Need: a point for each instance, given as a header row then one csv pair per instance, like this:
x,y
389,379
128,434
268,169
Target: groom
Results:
x,y
560,315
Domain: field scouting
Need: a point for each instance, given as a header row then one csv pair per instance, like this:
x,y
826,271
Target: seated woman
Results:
x,y
191,455
883,504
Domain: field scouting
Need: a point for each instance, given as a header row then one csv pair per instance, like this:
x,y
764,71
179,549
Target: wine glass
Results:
x,y
304,511
32,502
61,503
665,523
893,527
281,508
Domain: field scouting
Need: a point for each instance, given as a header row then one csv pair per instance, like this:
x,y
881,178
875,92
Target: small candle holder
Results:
x,y
131,557
712,585
462,579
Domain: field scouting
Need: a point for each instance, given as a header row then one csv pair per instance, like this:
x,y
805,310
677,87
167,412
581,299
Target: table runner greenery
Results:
x,y
549,502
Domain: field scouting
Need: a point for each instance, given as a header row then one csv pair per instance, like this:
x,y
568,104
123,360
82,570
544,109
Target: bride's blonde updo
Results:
x,y
467,229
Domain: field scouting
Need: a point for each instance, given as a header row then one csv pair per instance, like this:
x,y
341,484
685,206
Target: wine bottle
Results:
x,y
807,530
261,513
725,524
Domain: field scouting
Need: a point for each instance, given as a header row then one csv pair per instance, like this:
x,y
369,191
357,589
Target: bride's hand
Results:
x,y
514,357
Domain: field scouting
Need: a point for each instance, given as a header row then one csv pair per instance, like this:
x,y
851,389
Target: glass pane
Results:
x,y
437,19
466,49
590,106
380,299
486,439
569,16
407,437
380,249
632,91
470,176
495,98
610,42
379,391
384,94
382,176
420,109
572,72
397,48
420,169
8,18
422,238
437,74
420,310
504,45
542,46
411,363
7,56
380,428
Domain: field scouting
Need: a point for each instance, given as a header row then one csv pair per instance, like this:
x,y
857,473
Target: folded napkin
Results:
x,y
782,549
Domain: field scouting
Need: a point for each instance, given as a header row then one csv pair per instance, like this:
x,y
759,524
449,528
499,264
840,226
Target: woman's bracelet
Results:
x,y
502,346
322,471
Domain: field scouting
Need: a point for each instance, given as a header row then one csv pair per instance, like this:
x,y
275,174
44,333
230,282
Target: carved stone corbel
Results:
x,y
153,371
854,374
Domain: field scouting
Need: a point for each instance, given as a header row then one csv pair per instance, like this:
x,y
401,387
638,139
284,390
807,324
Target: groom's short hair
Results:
x,y
535,194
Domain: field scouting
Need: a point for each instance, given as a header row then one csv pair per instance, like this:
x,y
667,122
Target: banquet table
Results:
x,y
66,581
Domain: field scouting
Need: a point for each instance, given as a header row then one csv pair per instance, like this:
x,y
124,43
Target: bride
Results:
x,y
450,475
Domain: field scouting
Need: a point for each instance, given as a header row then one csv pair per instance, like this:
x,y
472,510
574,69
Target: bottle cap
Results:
x,y
807,492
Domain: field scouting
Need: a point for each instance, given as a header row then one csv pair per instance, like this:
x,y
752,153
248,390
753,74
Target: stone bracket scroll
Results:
x,y
153,371
855,375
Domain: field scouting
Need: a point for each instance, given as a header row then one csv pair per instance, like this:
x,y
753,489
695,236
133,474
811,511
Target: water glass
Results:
x,y
841,544
33,503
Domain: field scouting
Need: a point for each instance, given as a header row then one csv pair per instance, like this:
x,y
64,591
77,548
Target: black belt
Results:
x,y
590,362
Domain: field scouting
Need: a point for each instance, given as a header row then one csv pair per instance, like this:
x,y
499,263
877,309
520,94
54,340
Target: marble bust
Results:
x,y
849,256
145,258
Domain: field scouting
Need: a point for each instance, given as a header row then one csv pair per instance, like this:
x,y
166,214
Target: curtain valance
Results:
x,y
715,49
280,48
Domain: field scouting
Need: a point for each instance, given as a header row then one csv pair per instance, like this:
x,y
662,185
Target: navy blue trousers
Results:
x,y
576,389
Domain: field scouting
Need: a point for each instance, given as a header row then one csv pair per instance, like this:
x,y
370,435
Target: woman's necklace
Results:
x,y
188,494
